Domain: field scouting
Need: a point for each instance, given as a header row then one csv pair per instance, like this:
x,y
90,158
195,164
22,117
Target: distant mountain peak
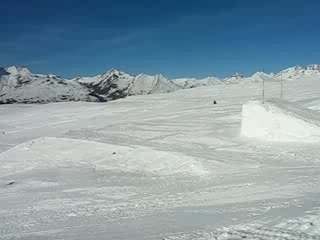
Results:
x,y
160,77
259,74
310,67
237,76
315,67
18,70
298,67
234,77
300,72
113,71
3,72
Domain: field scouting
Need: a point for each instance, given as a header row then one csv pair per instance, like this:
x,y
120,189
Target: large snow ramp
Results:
x,y
280,121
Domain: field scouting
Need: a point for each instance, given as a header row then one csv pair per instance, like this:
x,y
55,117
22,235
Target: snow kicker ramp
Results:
x,y
280,121
45,153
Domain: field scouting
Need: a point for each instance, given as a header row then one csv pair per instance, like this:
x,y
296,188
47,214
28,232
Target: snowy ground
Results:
x,y
170,166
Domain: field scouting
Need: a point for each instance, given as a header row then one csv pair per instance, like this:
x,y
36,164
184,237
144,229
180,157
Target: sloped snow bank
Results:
x,y
280,121
46,153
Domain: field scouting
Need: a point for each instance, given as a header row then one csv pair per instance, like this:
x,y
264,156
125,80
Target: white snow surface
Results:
x,y
277,120
181,169
73,153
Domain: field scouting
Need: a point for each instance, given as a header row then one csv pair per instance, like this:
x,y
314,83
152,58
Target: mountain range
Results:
x,y
19,85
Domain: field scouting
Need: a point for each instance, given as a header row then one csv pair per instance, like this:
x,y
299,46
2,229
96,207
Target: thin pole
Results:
x,y
281,94
262,90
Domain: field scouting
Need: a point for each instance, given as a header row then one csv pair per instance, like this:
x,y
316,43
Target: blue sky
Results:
x,y
175,38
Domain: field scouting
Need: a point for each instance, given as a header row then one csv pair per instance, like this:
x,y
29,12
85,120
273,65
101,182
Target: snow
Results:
x,y
73,153
181,169
102,79
19,85
193,82
237,78
18,70
261,76
300,73
87,80
22,86
122,79
146,84
234,79
280,121
114,81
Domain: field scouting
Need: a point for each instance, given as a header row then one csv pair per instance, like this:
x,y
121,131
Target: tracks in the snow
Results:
x,y
246,233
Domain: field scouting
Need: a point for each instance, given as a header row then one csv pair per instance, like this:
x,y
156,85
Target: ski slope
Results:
x,y
164,166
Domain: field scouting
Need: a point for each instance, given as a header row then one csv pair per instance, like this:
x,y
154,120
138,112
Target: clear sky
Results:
x,y
176,38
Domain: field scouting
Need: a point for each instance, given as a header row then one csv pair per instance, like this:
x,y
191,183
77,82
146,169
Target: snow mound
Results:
x,y
280,121
44,153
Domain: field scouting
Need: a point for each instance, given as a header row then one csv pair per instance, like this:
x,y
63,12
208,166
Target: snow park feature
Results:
x,y
70,153
279,121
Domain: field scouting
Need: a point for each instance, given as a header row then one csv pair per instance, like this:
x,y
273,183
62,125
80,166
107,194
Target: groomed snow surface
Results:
x,y
165,166
64,152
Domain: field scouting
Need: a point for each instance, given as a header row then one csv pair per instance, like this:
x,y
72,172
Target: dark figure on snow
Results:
x,y
214,102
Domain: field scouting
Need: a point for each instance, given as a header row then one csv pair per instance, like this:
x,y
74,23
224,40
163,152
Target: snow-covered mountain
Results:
x,y
299,72
212,81
145,84
236,78
233,79
115,84
261,76
193,82
19,85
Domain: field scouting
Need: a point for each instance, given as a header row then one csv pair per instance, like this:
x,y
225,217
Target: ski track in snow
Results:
x,y
254,190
